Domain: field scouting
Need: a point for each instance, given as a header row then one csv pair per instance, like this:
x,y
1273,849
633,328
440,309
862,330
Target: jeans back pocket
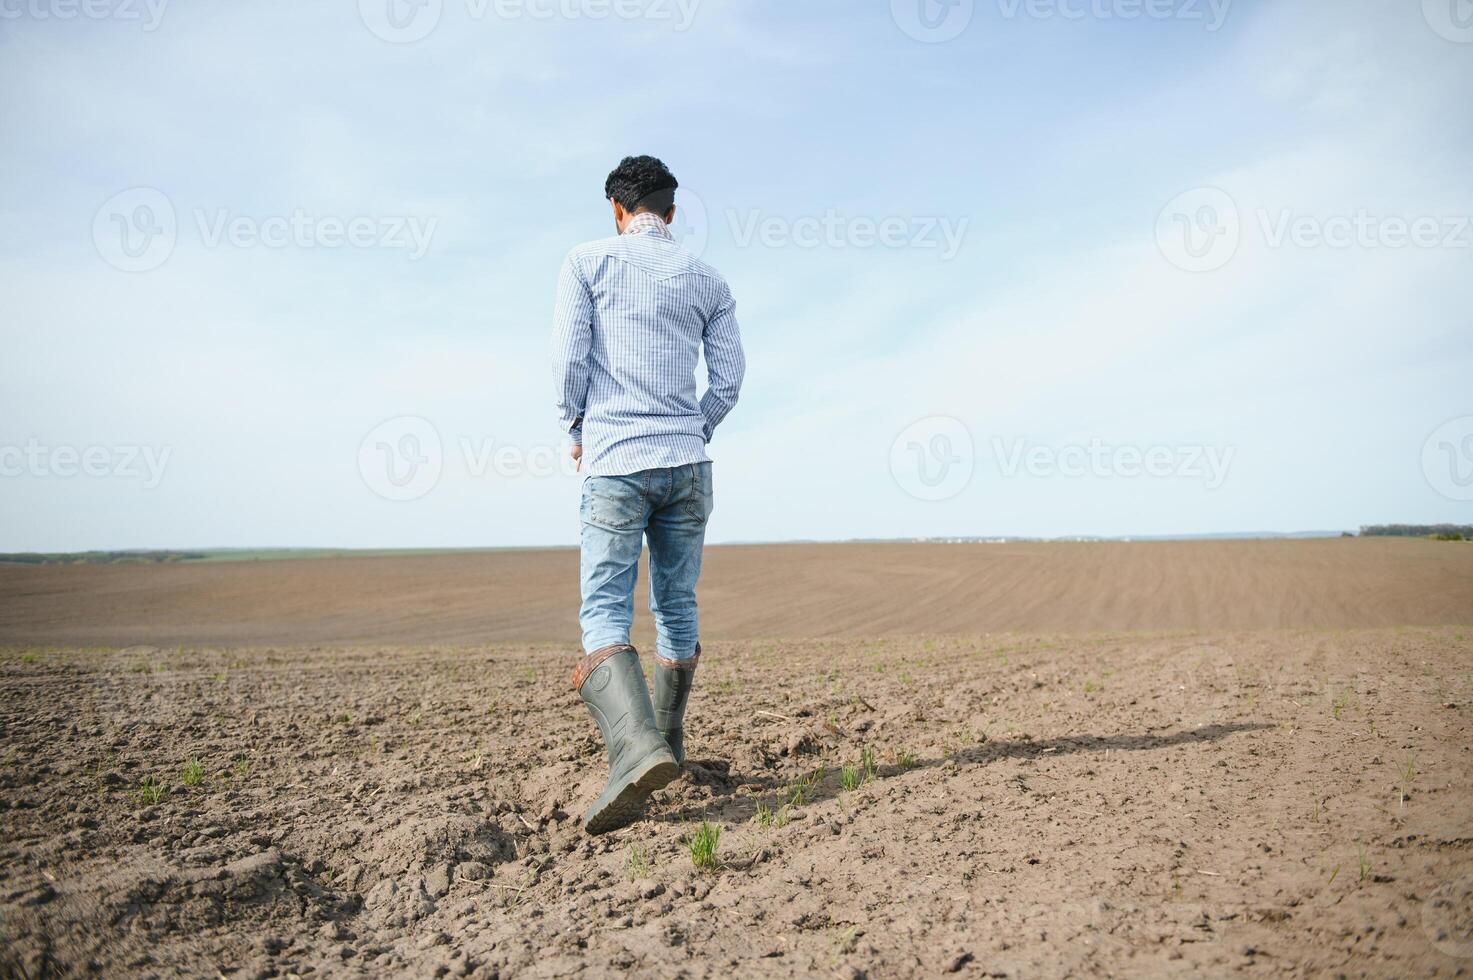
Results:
x,y
700,501
616,502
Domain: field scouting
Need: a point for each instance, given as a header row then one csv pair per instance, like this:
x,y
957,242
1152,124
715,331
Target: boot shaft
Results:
x,y
612,685
673,683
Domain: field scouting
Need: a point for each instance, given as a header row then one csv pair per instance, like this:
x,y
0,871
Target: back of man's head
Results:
x,y
642,183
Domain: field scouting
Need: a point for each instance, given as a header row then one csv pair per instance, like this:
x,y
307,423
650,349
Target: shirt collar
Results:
x,y
646,223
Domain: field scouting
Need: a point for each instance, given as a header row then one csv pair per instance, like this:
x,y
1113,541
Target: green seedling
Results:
x,y
905,759
28,658
151,792
1365,864
1408,773
801,789
769,819
242,768
846,941
702,845
193,774
637,862
855,776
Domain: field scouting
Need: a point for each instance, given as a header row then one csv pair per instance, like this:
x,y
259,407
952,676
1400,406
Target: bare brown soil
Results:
x,y
755,591
1090,799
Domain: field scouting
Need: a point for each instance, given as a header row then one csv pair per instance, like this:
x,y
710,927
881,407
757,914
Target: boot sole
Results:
x,y
627,805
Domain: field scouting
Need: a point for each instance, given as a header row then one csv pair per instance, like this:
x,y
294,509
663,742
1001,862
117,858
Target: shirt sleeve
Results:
x,y
725,364
572,337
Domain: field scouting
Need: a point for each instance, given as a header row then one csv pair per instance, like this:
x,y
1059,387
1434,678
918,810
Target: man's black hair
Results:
x,y
642,184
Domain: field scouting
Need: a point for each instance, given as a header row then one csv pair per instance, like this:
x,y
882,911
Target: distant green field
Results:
x,y
196,556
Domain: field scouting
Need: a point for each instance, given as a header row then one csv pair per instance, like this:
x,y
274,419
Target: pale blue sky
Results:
x,y
227,389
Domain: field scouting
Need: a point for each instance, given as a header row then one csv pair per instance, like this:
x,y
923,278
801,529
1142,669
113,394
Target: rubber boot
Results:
x,y
673,681
612,685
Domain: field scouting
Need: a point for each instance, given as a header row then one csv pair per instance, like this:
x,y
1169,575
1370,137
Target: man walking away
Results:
x,y
634,313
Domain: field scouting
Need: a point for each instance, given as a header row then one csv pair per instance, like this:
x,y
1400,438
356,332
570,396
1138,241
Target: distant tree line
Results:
x,y
1443,532
100,557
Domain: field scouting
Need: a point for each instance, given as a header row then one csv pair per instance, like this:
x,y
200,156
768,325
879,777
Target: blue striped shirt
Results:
x,y
633,314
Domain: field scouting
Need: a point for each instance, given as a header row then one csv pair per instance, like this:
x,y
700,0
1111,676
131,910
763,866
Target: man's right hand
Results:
x,y
578,457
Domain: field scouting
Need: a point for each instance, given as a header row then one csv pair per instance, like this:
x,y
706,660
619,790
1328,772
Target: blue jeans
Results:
x,y
669,506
